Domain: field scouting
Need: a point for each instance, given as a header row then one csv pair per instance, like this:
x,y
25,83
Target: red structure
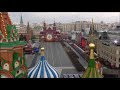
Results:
x,y
12,58
29,33
50,34
82,41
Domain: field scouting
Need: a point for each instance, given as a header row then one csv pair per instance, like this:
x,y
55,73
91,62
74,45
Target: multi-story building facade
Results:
x,y
79,25
107,50
110,53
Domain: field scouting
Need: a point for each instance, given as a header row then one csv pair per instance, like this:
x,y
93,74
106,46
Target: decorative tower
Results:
x,y
54,26
28,27
21,20
92,71
93,34
12,61
44,26
75,26
43,69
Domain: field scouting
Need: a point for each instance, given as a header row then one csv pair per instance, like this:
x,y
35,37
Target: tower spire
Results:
x,y
92,26
54,25
44,25
91,32
28,27
75,26
21,20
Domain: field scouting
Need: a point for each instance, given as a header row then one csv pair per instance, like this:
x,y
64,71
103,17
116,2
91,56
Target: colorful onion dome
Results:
x,y
43,69
92,71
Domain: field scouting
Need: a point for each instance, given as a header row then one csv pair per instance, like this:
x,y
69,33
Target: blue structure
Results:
x,y
43,69
37,50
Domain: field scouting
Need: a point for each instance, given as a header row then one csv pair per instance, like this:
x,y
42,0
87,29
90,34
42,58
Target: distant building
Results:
x,y
24,30
21,27
79,25
36,30
28,34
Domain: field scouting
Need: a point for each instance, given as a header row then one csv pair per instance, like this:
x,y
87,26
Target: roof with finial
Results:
x,y
92,70
43,69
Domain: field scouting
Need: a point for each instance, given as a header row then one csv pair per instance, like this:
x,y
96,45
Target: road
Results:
x,y
31,60
81,59
28,60
56,55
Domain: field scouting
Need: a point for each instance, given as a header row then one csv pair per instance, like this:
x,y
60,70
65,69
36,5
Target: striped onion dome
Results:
x,y
92,71
43,69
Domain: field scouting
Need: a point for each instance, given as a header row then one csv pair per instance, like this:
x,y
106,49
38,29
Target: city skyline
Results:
x,y
68,50
64,17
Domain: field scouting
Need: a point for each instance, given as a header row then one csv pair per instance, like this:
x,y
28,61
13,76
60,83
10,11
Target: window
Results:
x,y
18,71
6,66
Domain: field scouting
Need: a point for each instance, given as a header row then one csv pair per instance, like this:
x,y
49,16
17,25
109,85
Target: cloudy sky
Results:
x,y
64,17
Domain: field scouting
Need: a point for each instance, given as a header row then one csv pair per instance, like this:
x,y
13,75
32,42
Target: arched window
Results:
x,y
6,66
16,64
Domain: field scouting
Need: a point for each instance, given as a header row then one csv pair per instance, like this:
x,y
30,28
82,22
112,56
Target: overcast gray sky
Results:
x,y
64,17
